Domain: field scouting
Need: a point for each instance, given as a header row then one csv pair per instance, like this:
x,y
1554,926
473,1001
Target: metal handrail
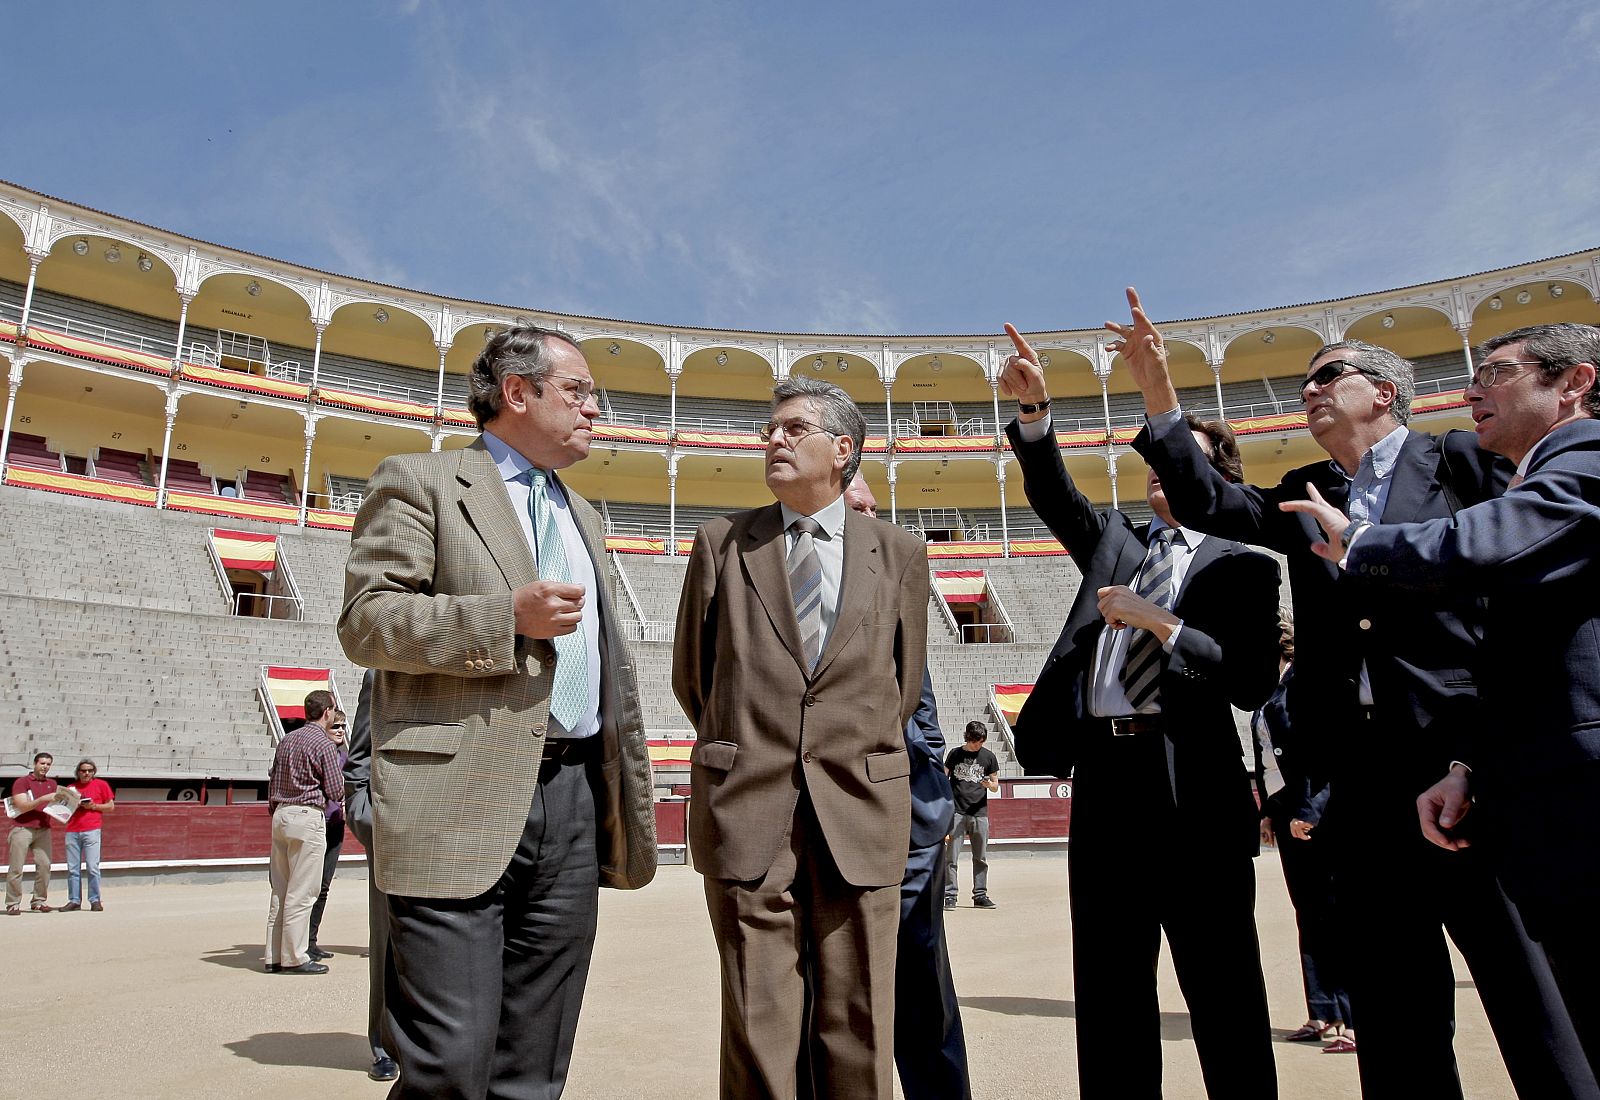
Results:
x,y
68,326
289,580
648,630
216,560
274,721
293,601
1000,608
345,502
627,588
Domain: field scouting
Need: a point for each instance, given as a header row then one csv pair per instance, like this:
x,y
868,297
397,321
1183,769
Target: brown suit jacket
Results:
x,y
767,729
462,701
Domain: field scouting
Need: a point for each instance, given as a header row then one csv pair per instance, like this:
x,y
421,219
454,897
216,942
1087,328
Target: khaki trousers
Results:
x,y
22,841
299,837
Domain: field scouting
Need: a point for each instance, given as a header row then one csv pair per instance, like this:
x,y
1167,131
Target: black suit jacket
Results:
x,y
1535,553
1225,653
1420,649
358,766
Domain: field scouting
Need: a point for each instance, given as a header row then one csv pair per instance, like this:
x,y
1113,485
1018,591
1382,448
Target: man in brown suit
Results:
x,y
510,775
799,654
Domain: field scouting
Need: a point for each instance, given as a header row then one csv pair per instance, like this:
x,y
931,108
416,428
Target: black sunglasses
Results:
x,y
1325,375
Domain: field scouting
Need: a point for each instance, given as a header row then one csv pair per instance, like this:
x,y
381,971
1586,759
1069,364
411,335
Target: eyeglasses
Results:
x,y
794,430
1485,375
338,726
578,397
1334,369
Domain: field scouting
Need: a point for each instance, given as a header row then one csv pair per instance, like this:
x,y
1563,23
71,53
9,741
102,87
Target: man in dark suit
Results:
x,y
1535,765
510,776
930,1049
1169,628
358,814
798,659
1383,679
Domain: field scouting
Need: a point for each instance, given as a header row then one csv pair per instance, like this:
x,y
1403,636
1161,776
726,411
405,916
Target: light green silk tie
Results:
x,y
569,695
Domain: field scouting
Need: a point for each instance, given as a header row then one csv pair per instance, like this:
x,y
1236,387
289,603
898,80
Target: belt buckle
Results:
x,y
1122,727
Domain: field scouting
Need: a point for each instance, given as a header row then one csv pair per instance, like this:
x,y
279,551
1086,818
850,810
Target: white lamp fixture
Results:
x,y
816,364
613,348
382,316
1268,337
1388,320
1557,290
722,358
1044,360
843,366
113,255
936,364
1496,303
1524,296
81,246
145,262
254,289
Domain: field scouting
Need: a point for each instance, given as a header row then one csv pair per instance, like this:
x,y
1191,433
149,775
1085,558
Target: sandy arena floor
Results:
x,y
163,995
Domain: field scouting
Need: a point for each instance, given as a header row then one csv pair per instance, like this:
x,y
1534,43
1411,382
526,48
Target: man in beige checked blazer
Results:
x,y
798,658
510,776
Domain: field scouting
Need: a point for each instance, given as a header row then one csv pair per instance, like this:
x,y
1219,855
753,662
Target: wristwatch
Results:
x,y
1036,408
1350,532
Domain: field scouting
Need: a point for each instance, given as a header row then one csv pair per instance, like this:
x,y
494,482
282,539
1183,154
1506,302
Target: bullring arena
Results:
x,y
189,429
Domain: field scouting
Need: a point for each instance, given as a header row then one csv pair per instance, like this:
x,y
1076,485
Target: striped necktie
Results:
x,y
1142,669
805,584
569,693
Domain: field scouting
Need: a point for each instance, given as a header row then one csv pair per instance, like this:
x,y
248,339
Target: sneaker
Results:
x,y
96,907
985,902
71,907
949,903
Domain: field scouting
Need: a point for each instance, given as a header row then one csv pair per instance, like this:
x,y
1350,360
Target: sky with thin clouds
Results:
x,y
889,167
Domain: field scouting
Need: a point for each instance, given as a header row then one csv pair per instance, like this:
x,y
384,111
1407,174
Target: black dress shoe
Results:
x,y
383,1069
318,954
985,902
303,968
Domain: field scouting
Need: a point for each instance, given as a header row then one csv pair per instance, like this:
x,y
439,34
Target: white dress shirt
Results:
x,y
829,543
1107,697
580,566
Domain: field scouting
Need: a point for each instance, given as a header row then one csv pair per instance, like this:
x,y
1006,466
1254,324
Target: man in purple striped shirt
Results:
x,y
306,776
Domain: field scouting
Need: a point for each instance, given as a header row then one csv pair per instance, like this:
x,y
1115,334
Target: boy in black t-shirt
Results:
x,y
974,772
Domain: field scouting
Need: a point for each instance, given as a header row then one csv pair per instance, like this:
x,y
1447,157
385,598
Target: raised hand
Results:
x,y
1021,376
1330,519
1142,348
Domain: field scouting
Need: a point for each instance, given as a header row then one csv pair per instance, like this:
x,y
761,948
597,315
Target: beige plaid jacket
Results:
x,y
461,701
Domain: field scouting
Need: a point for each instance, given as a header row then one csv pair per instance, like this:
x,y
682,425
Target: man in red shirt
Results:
x,y
29,796
83,835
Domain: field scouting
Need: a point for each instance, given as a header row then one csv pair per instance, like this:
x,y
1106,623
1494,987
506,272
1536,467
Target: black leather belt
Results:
x,y
1138,723
567,749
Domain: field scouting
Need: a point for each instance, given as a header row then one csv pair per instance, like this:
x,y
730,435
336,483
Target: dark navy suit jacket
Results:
x,y
933,804
1420,650
1535,553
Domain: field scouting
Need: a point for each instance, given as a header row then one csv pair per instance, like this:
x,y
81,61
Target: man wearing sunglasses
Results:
x,y
1384,682
798,658
1535,554
510,776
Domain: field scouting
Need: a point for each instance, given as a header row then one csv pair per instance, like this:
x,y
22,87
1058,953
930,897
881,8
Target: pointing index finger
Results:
x,y
1024,349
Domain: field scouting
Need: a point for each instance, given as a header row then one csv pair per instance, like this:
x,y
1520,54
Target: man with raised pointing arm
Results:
x,y
1169,628
1535,553
1390,673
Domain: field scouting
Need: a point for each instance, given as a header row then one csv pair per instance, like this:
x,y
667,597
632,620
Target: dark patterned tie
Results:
x,y
805,583
1145,660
